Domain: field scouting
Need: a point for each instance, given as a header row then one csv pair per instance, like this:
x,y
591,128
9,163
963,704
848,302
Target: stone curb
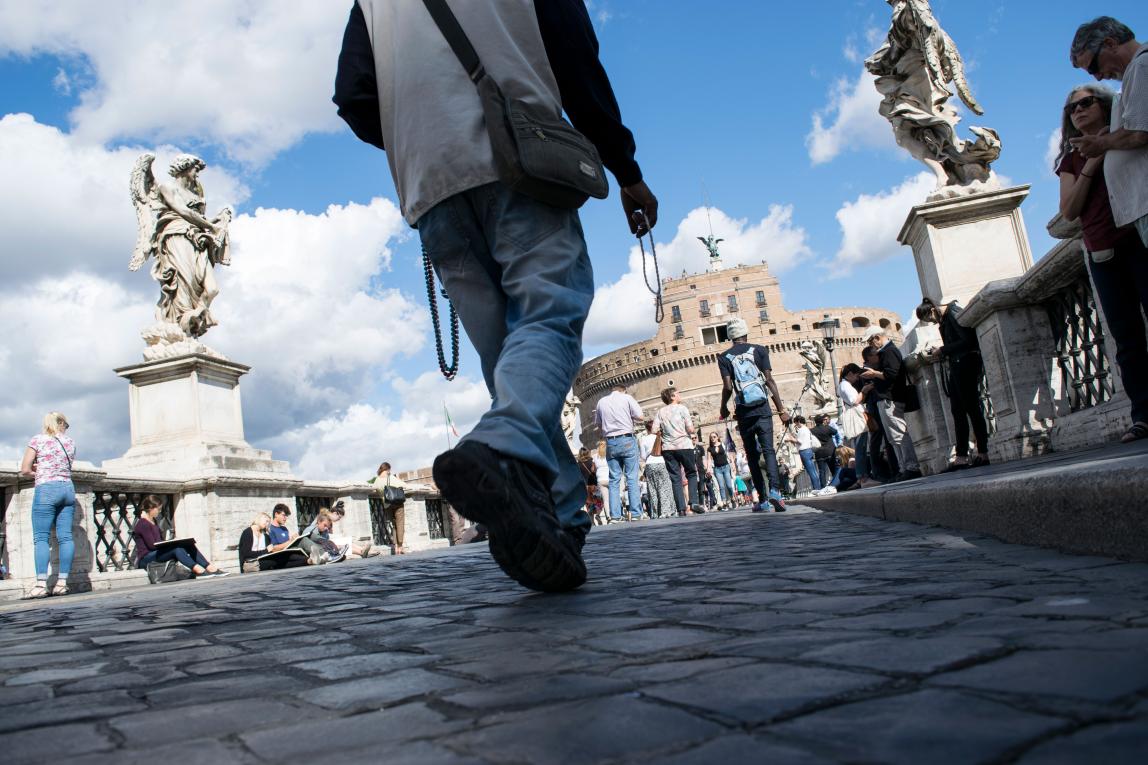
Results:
x,y
1093,502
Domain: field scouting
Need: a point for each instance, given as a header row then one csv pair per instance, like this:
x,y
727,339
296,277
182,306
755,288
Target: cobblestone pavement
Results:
x,y
796,638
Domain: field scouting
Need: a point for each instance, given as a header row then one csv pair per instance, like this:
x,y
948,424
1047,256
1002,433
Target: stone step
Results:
x,y
1092,502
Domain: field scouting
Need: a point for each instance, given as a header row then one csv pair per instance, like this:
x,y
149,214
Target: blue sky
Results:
x,y
722,97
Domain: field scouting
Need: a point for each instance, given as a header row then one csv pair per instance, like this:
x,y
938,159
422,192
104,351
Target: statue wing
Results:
x,y
956,68
145,198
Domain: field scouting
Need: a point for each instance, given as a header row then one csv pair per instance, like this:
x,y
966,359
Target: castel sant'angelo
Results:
x,y
683,354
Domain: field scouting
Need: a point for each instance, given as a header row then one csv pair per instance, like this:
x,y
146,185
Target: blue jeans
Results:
x,y
1122,289
53,504
176,553
757,437
622,456
810,466
724,476
519,275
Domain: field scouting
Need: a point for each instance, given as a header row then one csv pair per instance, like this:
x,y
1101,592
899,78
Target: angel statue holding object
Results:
x,y
185,245
914,68
814,359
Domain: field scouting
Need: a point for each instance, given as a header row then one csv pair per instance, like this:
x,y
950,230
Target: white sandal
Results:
x,y
37,592
61,588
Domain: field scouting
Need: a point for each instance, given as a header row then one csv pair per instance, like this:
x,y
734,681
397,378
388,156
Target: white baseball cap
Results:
x,y
873,332
736,327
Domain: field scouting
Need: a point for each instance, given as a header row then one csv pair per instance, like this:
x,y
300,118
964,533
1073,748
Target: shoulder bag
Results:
x,y
393,495
536,153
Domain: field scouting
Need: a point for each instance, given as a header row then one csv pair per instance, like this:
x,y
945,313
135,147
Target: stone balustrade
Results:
x,y
1051,381
213,510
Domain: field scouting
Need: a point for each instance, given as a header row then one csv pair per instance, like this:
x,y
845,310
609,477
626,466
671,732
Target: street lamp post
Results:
x,y
829,334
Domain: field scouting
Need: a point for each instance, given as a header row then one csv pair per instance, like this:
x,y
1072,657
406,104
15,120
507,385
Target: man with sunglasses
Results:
x,y
1108,50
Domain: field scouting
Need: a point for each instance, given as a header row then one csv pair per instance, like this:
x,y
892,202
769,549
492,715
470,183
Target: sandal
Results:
x,y
1135,433
61,588
37,592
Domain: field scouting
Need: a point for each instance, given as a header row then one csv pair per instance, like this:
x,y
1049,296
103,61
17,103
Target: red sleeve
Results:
x,y
1070,164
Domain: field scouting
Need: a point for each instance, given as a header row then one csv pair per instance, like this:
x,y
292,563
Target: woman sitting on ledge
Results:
x,y
146,536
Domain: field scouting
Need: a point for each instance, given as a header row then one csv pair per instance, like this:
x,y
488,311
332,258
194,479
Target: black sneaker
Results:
x,y
909,475
508,497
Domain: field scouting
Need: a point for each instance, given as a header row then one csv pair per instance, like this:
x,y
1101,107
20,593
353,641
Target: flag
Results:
x,y
449,421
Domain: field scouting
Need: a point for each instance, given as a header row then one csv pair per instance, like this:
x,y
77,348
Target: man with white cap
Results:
x,y
745,370
888,380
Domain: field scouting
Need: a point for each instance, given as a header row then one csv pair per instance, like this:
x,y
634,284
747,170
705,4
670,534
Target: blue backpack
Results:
x,y
748,380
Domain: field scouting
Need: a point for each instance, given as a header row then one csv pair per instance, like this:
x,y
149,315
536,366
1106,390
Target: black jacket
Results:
x,y
959,340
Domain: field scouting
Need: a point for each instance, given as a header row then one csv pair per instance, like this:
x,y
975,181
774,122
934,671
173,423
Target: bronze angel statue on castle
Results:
x,y
185,245
914,68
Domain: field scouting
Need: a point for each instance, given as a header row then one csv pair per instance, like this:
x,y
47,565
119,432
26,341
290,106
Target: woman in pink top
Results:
x,y
49,458
676,426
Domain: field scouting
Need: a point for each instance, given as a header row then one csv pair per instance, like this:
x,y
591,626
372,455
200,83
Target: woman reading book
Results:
x,y
147,538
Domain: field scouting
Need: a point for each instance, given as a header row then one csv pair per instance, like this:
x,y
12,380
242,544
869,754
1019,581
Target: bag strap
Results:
x,y
65,451
447,23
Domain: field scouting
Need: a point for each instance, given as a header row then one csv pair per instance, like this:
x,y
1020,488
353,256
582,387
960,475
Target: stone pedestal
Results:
x,y
961,244
187,420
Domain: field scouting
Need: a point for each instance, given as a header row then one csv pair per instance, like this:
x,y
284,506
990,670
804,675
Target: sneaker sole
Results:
x,y
528,549
778,505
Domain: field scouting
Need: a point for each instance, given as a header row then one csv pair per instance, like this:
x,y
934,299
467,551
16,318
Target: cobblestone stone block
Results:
x,y
916,656
652,640
1096,675
740,748
758,693
212,719
54,743
363,664
1124,743
56,675
529,692
932,727
379,691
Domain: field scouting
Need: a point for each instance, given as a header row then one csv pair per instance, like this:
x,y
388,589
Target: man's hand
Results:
x,y
723,413
871,374
639,199
1090,146
783,416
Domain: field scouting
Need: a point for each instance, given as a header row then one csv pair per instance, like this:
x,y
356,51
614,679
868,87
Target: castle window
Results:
x,y
796,327
704,307
679,333
773,331
731,301
653,351
760,297
713,335
673,348
859,322
763,316
676,313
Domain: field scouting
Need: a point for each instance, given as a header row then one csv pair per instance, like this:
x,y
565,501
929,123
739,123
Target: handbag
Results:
x,y
853,422
393,495
167,571
536,152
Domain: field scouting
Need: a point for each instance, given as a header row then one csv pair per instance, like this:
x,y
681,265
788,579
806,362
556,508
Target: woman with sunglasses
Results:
x,y
1117,259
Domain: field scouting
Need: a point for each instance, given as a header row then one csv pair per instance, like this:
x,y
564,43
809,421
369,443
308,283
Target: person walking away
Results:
x,y
48,458
1104,183
617,414
964,368
803,437
746,371
723,472
602,478
590,478
676,426
659,487
516,269
888,379
146,535
394,509
825,453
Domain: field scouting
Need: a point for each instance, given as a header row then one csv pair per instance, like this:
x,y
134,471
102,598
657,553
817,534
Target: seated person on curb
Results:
x,y
146,536
277,532
338,513
317,541
255,541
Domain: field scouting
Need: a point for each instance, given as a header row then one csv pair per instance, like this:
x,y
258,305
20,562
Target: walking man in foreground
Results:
x,y
745,370
616,416
516,269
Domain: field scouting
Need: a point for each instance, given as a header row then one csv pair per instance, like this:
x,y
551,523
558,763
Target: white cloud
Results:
x,y
1053,149
251,77
350,444
870,224
623,311
849,121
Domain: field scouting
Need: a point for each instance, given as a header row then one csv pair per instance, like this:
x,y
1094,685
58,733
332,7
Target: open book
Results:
x,y
170,544
293,548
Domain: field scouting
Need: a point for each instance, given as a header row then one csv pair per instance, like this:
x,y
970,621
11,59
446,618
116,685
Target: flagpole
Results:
x,y
446,420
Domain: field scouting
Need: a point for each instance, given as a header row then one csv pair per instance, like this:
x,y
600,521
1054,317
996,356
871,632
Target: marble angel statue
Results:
x,y
570,415
814,360
914,68
185,246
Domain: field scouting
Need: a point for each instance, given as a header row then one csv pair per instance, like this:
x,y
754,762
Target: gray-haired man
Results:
x,y
745,370
1108,50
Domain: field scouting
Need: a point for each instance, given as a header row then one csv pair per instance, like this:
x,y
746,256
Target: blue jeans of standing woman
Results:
x,y
724,476
518,273
810,465
175,553
53,504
